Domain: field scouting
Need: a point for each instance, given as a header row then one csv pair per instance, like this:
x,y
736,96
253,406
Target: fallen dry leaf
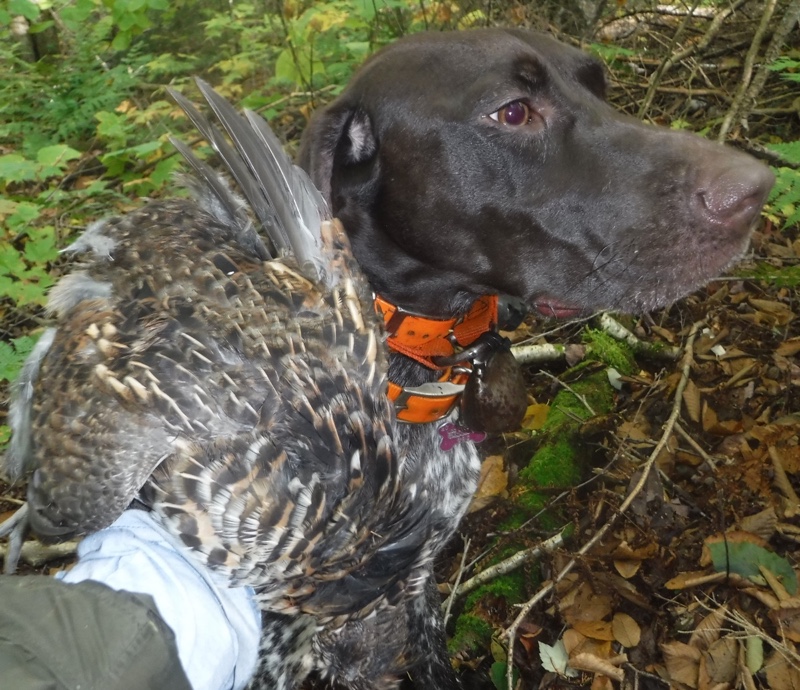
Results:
x,y
581,603
772,312
693,579
691,400
713,425
626,630
682,662
788,348
577,643
535,417
594,664
719,665
627,568
601,682
787,619
708,630
762,524
597,630
493,482
782,674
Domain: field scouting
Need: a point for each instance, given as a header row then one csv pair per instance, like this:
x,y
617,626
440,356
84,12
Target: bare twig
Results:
x,y
565,385
743,92
655,79
696,446
690,50
448,604
790,18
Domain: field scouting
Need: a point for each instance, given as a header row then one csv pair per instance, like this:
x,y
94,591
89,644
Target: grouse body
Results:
x,y
243,399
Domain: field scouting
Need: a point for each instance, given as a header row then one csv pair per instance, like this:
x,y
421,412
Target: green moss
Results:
x,y
510,586
657,346
567,410
560,460
556,465
529,500
610,351
472,632
514,521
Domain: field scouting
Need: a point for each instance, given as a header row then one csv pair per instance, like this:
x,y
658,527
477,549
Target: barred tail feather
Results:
x,y
280,195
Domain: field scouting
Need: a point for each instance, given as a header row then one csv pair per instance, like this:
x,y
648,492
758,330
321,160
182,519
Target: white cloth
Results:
x,y
216,627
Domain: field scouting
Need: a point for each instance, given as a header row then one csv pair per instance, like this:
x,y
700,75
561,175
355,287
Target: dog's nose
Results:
x,y
732,193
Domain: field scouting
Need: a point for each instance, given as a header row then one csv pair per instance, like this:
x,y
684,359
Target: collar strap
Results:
x,y
422,339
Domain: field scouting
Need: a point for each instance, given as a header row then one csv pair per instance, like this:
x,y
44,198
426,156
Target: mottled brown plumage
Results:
x,y
240,397
253,397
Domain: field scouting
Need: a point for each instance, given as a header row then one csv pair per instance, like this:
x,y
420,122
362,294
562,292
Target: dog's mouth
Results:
x,y
556,309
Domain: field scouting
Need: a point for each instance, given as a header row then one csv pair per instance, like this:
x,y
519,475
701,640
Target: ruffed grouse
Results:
x,y
234,381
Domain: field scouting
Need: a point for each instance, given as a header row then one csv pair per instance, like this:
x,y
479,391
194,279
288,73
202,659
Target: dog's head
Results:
x,y
489,161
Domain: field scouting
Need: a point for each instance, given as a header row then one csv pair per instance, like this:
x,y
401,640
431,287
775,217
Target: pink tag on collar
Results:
x,y
452,434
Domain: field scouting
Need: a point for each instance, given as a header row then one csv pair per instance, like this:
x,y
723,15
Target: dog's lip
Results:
x,y
556,308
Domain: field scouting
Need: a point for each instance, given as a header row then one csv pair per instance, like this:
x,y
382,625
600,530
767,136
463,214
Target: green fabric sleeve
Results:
x,y
85,636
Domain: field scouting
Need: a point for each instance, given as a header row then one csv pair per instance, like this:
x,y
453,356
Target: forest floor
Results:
x,y
668,554
682,563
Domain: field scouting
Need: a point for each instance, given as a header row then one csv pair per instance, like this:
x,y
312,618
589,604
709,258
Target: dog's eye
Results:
x,y
514,114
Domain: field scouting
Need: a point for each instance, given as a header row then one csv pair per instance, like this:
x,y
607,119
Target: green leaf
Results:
x,y
285,69
26,8
11,263
366,9
16,168
57,156
42,249
743,557
164,169
75,14
24,214
122,41
112,127
13,355
498,675
7,207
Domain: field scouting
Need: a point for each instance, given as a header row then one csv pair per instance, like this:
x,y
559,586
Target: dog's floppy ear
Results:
x,y
339,136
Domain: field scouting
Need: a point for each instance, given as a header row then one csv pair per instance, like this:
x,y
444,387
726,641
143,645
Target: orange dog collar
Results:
x,y
423,339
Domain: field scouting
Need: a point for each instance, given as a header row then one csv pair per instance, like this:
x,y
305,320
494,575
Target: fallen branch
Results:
x,y
508,565
35,553
530,354
616,330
